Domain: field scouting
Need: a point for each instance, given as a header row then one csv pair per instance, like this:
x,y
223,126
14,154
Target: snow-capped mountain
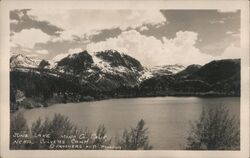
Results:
x,y
107,69
189,70
89,76
166,70
20,60
98,67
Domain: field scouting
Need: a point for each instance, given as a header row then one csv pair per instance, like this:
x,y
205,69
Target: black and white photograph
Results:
x,y
125,79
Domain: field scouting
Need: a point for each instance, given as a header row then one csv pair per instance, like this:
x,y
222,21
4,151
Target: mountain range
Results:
x,y
87,76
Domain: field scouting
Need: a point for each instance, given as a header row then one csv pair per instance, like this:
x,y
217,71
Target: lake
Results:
x,y
168,118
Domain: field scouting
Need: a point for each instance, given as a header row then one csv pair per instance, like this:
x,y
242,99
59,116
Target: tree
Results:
x,y
136,138
216,130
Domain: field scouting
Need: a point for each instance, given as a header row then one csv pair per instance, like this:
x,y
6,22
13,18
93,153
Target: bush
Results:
x,y
101,141
136,138
57,134
18,125
215,130
61,126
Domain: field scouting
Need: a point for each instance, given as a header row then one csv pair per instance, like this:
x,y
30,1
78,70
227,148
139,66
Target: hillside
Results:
x,y
216,78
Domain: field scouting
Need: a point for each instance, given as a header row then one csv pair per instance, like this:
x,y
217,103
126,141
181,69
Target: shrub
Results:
x,y
49,134
61,126
136,138
216,130
18,125
101,141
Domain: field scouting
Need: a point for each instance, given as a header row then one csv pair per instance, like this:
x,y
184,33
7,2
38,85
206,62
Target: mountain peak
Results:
x,y
21,60
111,51
76,62
116,59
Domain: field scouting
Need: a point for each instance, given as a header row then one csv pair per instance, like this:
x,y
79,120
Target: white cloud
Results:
x,y
59,57
232,52
63,55
79,22
32,55
27,38
152,51
74,50
42,52
138,17
143,28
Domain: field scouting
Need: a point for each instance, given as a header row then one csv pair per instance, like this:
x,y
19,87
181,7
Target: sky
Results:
x,y
154,37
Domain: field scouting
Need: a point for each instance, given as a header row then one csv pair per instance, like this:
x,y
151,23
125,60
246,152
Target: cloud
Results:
x,y
232,52
70,52
151,51
29,51
19,20
34,56
143,28
42,52
74,50
78,22
27,38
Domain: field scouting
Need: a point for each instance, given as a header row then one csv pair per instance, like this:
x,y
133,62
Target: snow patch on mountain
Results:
x,y
145,74
106,67
167,69
21,60
97,66
52,64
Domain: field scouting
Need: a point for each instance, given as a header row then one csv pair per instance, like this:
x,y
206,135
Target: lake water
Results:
x,y
168,118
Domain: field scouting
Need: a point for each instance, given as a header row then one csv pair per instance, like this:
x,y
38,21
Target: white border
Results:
x,y
159,4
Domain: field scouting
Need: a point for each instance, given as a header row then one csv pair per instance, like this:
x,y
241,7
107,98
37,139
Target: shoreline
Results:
x,y
45,104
